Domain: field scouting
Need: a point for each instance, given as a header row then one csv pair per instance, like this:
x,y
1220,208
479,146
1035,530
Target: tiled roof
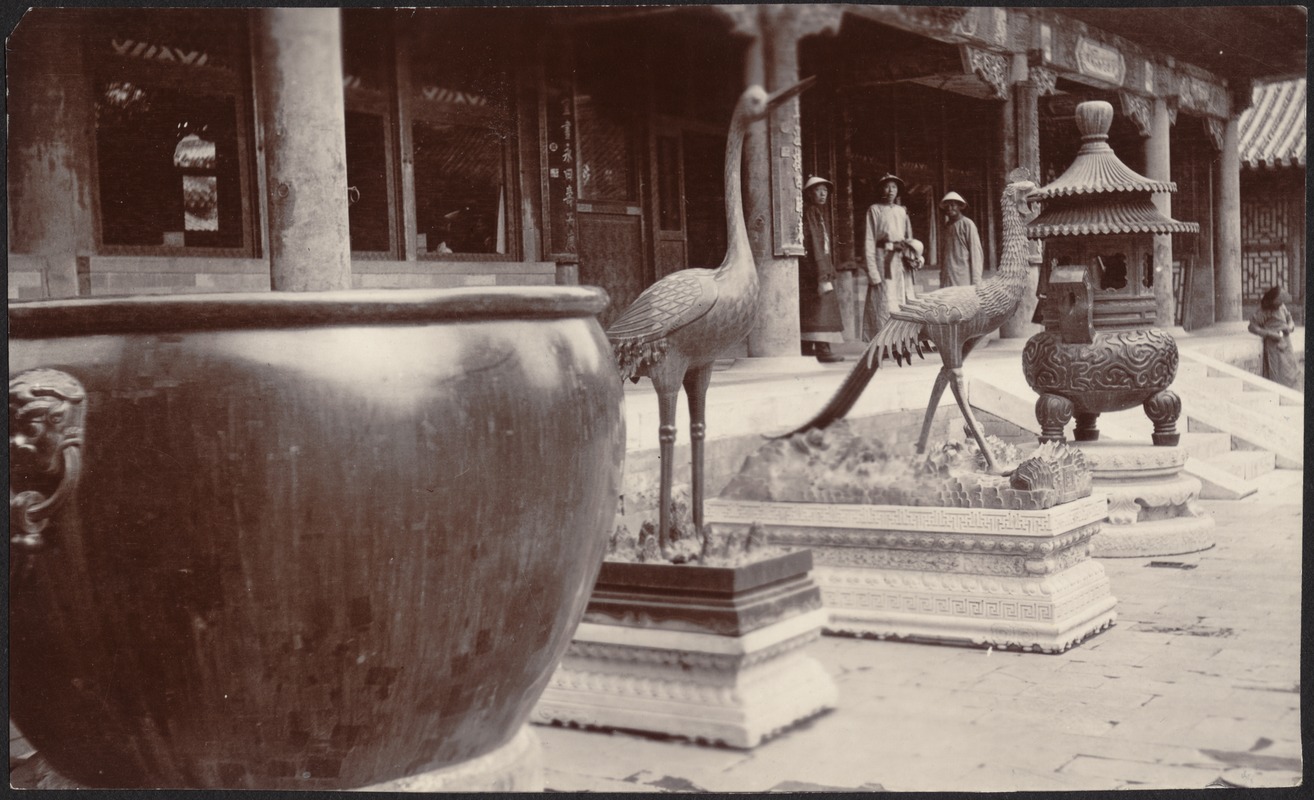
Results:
x,y
1107,215
1273,128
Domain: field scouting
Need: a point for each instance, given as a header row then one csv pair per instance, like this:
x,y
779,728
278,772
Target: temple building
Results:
x,y
167,150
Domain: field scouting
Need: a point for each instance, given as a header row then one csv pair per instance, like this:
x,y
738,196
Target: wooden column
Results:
x,y
1227,256
777,328
1200,313
1026,128
1158,166
51,133
298,80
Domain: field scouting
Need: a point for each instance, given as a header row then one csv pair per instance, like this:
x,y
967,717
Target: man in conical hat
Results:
x,y
961,257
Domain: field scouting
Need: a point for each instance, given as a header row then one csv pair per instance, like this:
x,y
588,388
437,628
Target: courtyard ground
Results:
x,y
1197,685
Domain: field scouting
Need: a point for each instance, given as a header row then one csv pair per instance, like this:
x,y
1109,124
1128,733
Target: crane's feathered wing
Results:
x,y
639,336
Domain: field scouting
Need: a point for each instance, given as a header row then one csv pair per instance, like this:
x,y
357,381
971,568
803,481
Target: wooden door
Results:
x,y
666,162
612,240
687,160
704,197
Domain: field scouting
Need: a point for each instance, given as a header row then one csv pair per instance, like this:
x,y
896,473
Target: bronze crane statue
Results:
x,y
954,319
677,327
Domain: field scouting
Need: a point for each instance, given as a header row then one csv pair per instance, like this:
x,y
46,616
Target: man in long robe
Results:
x,y
890,284
961,258
819,309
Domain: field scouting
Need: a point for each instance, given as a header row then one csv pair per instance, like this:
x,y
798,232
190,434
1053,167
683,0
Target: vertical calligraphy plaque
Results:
x,y
784,139
559,159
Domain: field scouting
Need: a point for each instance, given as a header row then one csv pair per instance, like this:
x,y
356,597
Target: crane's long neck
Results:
x,y
1013,260
738,249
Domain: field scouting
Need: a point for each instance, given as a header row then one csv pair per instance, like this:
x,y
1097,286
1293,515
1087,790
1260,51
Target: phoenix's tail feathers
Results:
x,y
899,339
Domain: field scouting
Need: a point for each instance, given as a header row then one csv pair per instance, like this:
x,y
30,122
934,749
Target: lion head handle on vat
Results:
x,y
46,413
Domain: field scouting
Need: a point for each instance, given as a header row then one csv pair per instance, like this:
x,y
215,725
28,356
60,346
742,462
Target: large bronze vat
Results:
x,y
300,541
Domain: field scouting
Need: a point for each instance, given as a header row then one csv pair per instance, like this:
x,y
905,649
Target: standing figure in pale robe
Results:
x,y
961,259
891,284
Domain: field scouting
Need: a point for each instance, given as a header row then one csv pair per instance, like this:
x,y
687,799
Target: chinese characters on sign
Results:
x,y
787,186
560,160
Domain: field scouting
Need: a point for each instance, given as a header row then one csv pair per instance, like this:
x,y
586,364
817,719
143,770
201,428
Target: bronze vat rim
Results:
x,y
92,316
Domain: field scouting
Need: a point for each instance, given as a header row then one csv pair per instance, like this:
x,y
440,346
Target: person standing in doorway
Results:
x,y
819,310
961,258
888,229
1273,322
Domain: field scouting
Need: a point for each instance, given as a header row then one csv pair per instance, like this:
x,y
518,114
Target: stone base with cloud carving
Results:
x,y
1153,508
732,690
978,576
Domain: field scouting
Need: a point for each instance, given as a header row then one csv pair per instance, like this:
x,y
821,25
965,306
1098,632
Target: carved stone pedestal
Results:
x,y
711,654
1002,578
1152,505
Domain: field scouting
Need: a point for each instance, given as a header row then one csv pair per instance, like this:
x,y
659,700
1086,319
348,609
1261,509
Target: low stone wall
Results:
x,y
115,275
450,275
106,275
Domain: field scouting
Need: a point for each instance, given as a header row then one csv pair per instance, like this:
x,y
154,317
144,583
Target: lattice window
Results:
x,y
1265,229
1261,269
1265,220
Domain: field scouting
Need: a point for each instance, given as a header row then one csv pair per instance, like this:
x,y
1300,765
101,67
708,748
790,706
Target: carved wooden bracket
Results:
x,y
1214,127
993,68
1139,111
1202,96
800,20
957,19
1044,79
815,18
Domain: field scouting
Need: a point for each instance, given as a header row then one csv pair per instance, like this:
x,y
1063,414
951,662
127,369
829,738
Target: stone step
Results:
x,y
1292,414
1246,464
1217,483
1254,427
1194,425
1225,386
1205,445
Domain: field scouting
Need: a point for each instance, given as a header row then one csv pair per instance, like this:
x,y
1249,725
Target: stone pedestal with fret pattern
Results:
x,y
1001,578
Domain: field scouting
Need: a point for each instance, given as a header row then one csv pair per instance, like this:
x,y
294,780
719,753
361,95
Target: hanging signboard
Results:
x,y
1100,61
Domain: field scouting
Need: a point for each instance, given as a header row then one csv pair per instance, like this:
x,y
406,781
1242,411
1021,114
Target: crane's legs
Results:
x,y
696,382
960,394
941,380
667,399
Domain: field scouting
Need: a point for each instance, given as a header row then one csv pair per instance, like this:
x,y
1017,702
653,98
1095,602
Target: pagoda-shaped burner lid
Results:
x,y
1098,194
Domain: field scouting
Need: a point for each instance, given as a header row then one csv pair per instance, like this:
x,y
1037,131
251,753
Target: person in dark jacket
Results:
x,y
1273,323
819,309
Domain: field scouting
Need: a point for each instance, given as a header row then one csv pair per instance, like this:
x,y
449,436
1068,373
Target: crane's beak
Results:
x,y
776,98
